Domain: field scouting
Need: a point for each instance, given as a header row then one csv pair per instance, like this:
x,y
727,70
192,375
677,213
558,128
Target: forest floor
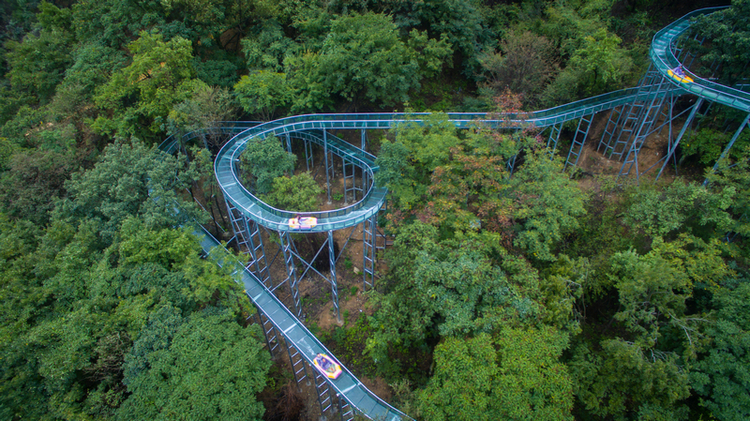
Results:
x,y
594,168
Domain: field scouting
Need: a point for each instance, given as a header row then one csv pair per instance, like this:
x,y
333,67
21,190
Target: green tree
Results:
x,y
202,367
654,288
467,285
682,208
733,178
515,374
32,183
363,58
138,98
627,380
298,193
37,65
546,206
720,375
593,60
262,92
463,23
130,180
468,192
267,49
597,66
407,163
461,386
264,160
204,114
113,23
70,319
532,382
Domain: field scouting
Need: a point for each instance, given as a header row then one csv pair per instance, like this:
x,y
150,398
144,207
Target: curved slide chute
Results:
x,y
314,128
662,54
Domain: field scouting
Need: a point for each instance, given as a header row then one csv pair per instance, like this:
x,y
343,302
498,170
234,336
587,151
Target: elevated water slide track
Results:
x,y
349,390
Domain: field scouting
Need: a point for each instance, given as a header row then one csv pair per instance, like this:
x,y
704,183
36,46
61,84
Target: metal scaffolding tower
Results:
x,y
582,132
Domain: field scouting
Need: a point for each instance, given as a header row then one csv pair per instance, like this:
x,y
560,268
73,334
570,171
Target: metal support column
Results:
x,y
248,235
579,139
258,265
288,145
648,118
291,280
298,363
729,146
625,133
673,144
345,409
328,164
633,117
350,182
334,285
269,332
369,231
239,226
613,123
308,155
364,139
323,389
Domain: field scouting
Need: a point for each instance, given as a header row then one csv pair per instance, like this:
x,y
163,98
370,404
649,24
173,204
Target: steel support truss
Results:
x,y
295,267
351,189
745,123
660,89
579,139
627,121
248,236
331,404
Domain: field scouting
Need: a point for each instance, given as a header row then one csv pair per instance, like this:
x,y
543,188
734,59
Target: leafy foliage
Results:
x,y
183,368
547,204
720,374
142,94
77,298
298,193
262,92
461,387
33,181
733,180
515,375
131,179
525,65
206,110
263,161
681,207
393,66
626,378
467,285
729,33
596,62
38,63
654,288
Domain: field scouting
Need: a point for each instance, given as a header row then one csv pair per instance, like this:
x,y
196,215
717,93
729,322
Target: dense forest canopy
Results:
x,y
541,294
